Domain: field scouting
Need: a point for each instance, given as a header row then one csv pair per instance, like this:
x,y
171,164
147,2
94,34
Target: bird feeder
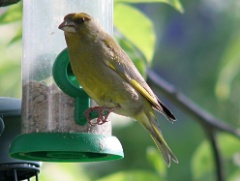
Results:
x,y
10,168
53,103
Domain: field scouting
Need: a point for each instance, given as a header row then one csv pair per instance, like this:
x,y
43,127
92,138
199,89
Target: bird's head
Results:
x,y
79,23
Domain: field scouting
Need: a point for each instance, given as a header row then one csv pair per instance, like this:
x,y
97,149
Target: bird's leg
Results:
x,y
103,113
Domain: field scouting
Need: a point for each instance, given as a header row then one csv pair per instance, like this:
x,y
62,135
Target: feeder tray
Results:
x,y
66,147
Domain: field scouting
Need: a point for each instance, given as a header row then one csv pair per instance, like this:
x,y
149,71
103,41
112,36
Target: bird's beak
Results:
x,y
67,26
62,25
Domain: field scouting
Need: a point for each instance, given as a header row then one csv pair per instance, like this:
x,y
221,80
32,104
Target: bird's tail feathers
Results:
x,y
150,122
165,111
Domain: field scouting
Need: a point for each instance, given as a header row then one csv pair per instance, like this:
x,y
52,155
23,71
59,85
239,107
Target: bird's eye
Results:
x,y
79,20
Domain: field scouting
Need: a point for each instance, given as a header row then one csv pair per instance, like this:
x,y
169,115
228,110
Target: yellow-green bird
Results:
x,y
110,78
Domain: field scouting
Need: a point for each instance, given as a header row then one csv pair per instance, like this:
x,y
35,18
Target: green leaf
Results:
x,y
134,53
17,37
63,171
202,163
12,14
174,3
202,160
229,68
235,176
157,161
136,175
136,27
10,79
229,146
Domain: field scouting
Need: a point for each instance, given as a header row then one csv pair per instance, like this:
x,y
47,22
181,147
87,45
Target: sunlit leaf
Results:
x,y
175,3
235,176
12,14
229,145
10,80
63,171
157,161
136,175
17,37
202,161
134,53
229,68
136,27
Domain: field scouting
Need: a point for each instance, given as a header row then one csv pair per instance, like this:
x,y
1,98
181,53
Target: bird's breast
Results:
x,y
101,82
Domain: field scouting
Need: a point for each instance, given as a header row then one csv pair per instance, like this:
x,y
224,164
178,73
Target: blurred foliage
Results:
x,y
197,51
124,23
136,33
229,67
10,47
203,164
158,163
138,175
12,14
174,3
62,172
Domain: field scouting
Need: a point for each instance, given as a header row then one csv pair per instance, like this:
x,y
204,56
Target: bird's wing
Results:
x,y
119,61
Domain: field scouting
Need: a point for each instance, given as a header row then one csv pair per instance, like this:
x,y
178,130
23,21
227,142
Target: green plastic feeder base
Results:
x,y
66,147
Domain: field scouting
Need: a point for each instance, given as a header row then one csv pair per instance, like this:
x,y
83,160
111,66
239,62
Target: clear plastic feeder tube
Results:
x,y
45,108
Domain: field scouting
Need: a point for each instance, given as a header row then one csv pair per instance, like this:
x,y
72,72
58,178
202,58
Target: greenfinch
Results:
x,y
109,77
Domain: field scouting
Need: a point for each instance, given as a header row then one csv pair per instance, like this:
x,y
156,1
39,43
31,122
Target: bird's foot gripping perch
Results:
x,y
102,112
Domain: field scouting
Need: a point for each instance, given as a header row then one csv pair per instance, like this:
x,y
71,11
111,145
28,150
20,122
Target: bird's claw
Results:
x,y
103,114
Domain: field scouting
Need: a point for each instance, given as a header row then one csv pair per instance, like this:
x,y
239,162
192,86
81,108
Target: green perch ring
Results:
x,y
66,81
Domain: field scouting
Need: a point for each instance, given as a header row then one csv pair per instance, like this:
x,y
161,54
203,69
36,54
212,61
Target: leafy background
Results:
x,y
196,48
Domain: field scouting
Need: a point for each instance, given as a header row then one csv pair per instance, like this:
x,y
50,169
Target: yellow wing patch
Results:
x,y
143,92
135,84
112,66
